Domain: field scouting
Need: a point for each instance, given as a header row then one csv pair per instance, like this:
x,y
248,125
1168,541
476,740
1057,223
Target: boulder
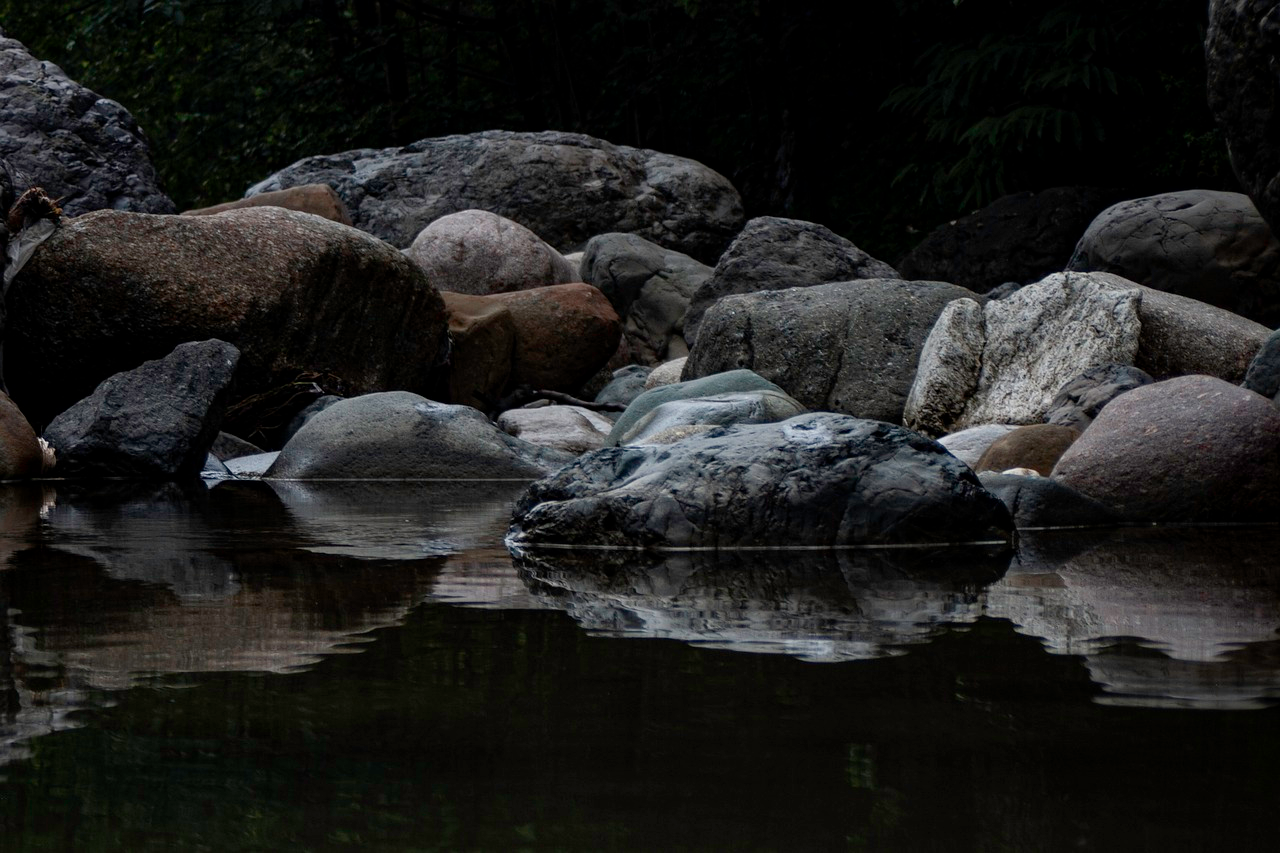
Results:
x,y
650,288
227,446
1080,400
1191,449
1263,375
21,456
691,415
773,254
83,149
251,467
848,347
477,252
1005,361
820,479
571,429
296,294
626,385
708,386
667,373
968,445
1037,502
1240,52
1208,245
565,187
1182,336
564,334
1018,238
317,199
397,435
308,412
482,333
1037,447
155,422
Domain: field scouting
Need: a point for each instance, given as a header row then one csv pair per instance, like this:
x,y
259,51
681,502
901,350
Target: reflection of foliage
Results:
x,y
784,98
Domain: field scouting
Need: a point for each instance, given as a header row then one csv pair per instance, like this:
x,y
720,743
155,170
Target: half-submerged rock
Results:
x,y
819,479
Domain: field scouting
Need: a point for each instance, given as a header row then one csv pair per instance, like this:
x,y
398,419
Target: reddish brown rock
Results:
x,y
484,338
1038,447
564,334
20,454
319,199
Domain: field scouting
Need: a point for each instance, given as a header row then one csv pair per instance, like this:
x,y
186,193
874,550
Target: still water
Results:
x,y
365,667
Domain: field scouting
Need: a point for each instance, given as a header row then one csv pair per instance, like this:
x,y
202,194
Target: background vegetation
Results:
x,y
877,119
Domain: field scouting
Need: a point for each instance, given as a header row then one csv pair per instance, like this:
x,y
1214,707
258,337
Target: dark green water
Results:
x,y
365,668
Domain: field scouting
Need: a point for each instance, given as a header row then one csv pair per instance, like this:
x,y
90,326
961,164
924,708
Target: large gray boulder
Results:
x,y
296,294
773,254
1018,238
1208,245
650,288
154,422
477,252
1241,51
1183,336
1191,449
819,479
397,435
848,347
1004,362
83,149
729,382
565,187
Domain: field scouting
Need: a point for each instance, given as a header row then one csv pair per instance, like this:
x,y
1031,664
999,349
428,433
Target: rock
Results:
x,y
397,435
1080,400
626,385
621,358
21,456
316,199
252,467
690,416
708,386
1036,502
1004,363
83,149
477,252
650,288
571,429
155,422
483,336
312,409
297,295
564,334
773,254
1036,447
667,373
819,479
1240,52
1191,449
227,446
565,187
1204,244
1263,376
848,347
968,445
1016,239
214,469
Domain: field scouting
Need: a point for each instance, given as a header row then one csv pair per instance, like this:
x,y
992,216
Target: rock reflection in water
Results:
x,y
815,605
1164,617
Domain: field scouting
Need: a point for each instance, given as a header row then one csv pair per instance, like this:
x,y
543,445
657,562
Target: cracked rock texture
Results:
x,y
565,187
1242,49
848,347
820,479
773,254
293,292
1208,245
83,149
1025,348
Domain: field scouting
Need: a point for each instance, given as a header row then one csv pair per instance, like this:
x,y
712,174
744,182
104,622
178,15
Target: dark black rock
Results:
x,y
83,149
227,446
312,409
1043,502
819,479
1080,400
626,385
154,422
773,254
565,187
1263,375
